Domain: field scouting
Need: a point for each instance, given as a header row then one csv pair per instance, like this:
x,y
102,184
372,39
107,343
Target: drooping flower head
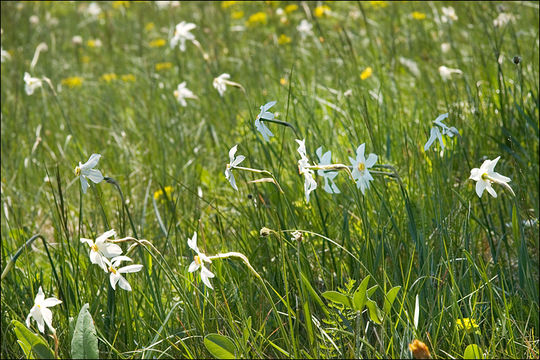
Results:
x,y
360,167
198,262
326,159
40,312
309,182
116,272
233,162
437,133
102,249
87,171
265,114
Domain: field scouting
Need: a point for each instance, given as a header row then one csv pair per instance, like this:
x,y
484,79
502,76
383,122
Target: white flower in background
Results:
x,y
182,93
329,184
34,20
411,65
181,34
446,72
101,249
77,40
445,47
233,162
40,312
166,4
449,15
305,29
116,272
93,9
5,55
198,262
503,19
360,167
220,83
437,133
265,114
309,182
485,176
31,83
87,170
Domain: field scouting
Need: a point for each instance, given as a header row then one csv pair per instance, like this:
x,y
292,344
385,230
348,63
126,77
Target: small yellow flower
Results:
x,y
119,4
283,81
159,193
418,15
85,59
321,10
258,17
227,4
108,77
128,78
290,8
73,81
378,4
237,14
366,73
157,43
283,39
149,27
163,66
93,43
419,350
467,324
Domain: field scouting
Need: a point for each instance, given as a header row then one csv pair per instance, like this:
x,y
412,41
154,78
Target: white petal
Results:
x,y
231,153
192,243
47,317
49,302
114,279
205,277
371,160
491,190
84,184
319,153
476,174
441,117
268,105
238,160
193,267
232,181
107,234
91,163
118,259
360,152
87,241
110,250
480,187
492,164
124,284
130,269
93,174
500,178
432,137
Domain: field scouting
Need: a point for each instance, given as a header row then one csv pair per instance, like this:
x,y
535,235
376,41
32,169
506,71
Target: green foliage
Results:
x,y
84,344
220,346
33,345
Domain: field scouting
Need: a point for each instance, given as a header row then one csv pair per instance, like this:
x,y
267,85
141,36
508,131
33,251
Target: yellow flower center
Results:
x,y
78,171
197,260
111,269
94,248
39,306
361,167
485,176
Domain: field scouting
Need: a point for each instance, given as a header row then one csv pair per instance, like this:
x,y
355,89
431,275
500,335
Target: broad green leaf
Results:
x,y
84,344
338,298
360,295
371,290
374,311
390,298
33,345
473,351
220,346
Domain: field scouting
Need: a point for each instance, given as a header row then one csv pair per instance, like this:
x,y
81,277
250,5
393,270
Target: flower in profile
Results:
x,y
101,249
446,72
305,28
360,167
182,93
366,73
87,171
233,162
303,168
220,83
181,34
437,134
469,325
40,312
116,277
329,184
485,176
419,350
266,115
31,83
449,15
198,262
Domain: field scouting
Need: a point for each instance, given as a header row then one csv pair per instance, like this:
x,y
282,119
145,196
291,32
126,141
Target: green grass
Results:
x,y
424,229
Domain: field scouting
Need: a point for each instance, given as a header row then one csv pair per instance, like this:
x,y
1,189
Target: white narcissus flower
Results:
x,y
101,249
87,170
220,83
329,184
309,182
93,9
116,272
233,162
265,114
181,34
305,28
437,134
485,176
31,83
40,312
360,167
182,93
198,262
449,15
446,72
503,19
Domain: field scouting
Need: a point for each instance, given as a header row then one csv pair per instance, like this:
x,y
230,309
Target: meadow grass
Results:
x,y
421,227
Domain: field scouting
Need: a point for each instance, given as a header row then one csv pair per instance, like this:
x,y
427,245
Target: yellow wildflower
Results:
x,y
150,26
119,4
283,39
290,8
128,78
93,43
418,15
163,66
108,77
157,43
283,81
366,73
237,14
227,4
258,17
466,324
321,10
419,350
378,4
73,81
159,193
